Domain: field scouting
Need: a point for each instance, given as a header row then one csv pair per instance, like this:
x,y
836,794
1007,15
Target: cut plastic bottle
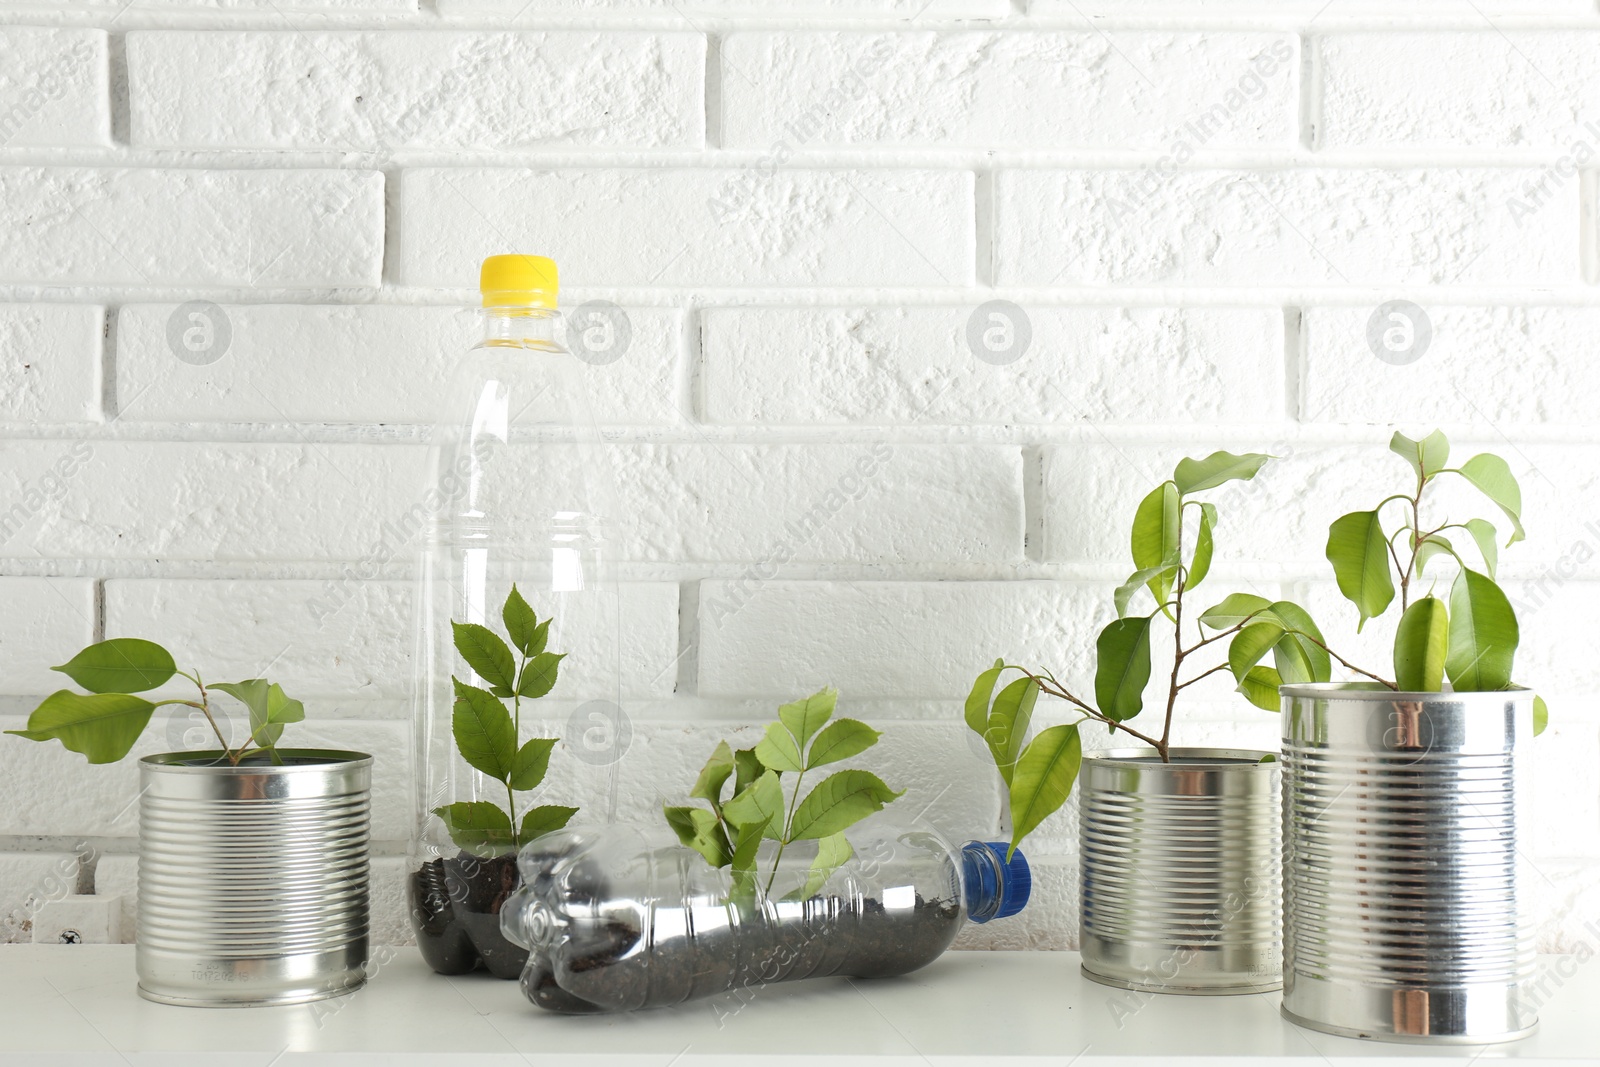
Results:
x,y
614,922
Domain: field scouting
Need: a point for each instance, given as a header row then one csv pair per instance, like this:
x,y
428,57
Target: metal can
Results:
x,y
1405,907
1181,870
253,879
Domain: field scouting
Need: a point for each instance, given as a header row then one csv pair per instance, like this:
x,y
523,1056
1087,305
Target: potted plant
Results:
x,y
772,879
467,862
1180,846
252,857
1405,918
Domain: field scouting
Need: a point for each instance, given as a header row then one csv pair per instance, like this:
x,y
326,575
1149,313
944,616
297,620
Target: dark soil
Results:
x,y
614,966
455,910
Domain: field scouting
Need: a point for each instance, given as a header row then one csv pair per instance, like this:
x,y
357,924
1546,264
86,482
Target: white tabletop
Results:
x,y
76,1005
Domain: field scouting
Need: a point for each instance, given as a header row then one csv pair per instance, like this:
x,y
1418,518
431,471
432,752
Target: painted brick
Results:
x,y
1010,90
75,226
351,642
1371,94
46,621
50,362
767,504
49,790
381,91
772,504
1517,364
1282,227
372,363
54,88
879,639
862,9
683,227
917,364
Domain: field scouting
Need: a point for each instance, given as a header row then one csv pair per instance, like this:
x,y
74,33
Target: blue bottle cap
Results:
x,y
996,888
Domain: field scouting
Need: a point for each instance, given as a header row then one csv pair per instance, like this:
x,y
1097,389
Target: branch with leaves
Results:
x,y
763,807
488,734
105,723
1173,541
1472,637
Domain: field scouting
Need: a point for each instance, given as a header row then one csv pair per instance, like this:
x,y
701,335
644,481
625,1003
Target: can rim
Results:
x,y
178,762
1368,691
1234,757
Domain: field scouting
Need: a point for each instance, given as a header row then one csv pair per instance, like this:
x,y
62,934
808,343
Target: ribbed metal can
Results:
x,y
253,880
1180,873
1405,904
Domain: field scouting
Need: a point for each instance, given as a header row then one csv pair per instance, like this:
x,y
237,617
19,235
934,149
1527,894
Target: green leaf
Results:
x,y
477,823
102,727
839,802
1359,553
977,707
1430,547
1250,644
484,733
833,852
1045,774
805,717
777,750
531,763
485,653
1008,723
1260,687
1483,634
270,708
713,776
1427,456
545,819
1122,654
840,740
1193,475
1483,532
1233,609
1204,546
700,830
1299,658
523,625
1494,479
539,674
1421,643
1148,576
1157,527
746,769
1541,715
743,864
760,804
120,665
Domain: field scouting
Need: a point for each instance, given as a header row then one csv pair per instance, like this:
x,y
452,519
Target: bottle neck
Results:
x,y
520,327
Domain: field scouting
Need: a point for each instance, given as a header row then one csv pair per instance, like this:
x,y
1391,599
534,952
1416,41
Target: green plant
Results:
x,y
729,833
1470,638
1173,541
487,734
104,723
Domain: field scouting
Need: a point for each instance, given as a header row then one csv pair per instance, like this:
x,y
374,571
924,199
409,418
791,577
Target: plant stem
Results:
x,y
1203,674
1056,690
516,742
205,708
1342,660
788,819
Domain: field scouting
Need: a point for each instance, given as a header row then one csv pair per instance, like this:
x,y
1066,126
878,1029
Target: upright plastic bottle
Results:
x,y
520,492
614,922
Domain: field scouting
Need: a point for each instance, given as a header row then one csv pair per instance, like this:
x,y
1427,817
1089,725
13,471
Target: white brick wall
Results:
x,y
921,297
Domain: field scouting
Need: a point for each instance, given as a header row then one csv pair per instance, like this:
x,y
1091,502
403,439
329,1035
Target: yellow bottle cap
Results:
x,y
519,281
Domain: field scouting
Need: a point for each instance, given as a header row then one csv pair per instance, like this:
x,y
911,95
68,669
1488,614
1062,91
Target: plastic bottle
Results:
x,y
520,488
614,923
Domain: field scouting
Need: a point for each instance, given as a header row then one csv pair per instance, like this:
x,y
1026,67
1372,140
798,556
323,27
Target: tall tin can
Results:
x,y
253,879
1405,907
1181,870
